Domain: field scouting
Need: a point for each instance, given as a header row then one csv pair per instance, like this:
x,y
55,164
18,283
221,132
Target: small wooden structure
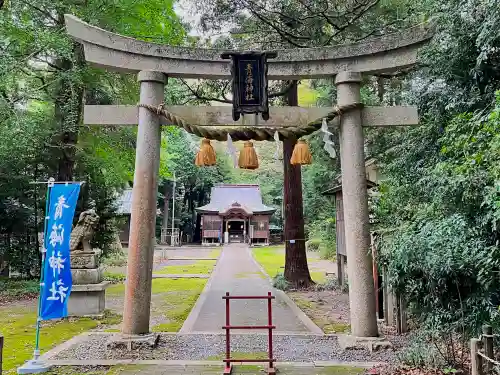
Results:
x,y
235,214
124,209
340,228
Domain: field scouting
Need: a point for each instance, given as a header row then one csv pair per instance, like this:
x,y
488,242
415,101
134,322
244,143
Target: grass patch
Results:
x,y
18,328
318,276
172,299
18,288
336,327
215,253
272,259
198,267
327,326
116,290
178,298
114,277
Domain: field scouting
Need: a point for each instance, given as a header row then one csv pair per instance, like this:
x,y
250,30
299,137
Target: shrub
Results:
x,y
328,251
313,244
446,272
117,259
332,283
18,287
420,353
322,234
279,282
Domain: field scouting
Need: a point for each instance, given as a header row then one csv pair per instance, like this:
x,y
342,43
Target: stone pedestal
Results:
x,y
87,296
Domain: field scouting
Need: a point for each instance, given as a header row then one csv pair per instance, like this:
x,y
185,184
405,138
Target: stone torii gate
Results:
x,y
154,63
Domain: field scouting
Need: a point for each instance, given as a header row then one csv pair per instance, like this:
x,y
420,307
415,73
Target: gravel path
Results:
x,y
299,348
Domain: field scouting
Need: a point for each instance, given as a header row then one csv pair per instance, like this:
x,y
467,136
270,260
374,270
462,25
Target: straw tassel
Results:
x,y
206,156
248,157
301,154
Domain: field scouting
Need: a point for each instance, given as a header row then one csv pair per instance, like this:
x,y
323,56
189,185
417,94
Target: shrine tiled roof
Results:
x,y
225,196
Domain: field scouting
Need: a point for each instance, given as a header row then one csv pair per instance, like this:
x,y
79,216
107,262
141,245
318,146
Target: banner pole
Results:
x,y
36,353
36,366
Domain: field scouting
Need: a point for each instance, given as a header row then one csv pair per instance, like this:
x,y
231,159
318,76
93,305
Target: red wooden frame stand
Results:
x,y
228,368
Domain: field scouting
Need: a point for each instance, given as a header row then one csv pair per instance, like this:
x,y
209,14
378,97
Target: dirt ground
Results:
x,y
329,309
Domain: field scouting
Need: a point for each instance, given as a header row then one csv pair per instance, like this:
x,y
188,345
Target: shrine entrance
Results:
x,y
154,63
236,230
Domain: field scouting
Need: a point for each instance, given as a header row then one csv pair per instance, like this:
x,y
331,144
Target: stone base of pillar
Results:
x,y
87,296
133,342
371,343
88,300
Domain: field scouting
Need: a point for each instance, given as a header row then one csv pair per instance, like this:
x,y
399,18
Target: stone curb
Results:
x,y
256,333
114,362
310,325
189,323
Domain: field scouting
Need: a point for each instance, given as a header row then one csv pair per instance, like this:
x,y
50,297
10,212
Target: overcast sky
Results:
x,y
184,9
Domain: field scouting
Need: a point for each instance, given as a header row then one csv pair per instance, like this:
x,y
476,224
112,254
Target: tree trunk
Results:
x,y
296,268
68,99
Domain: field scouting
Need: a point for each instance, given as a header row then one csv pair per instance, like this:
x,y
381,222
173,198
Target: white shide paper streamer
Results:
x,y
231,150
277,140
328,147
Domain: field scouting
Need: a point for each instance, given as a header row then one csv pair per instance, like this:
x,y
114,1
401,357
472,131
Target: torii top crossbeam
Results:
x,y
385,54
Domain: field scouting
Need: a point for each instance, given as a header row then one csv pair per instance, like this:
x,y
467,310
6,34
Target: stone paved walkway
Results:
x,y
237,273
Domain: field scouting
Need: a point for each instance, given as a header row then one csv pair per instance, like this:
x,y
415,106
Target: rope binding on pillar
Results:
x,y
206,156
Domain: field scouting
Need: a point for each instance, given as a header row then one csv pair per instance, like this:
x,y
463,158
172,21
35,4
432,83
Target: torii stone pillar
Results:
x,y
144,195
355,200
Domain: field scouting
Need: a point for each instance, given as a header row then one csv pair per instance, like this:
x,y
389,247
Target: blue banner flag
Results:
x,y
57,270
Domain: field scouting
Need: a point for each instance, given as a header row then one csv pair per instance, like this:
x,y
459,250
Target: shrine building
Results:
x,y
235,214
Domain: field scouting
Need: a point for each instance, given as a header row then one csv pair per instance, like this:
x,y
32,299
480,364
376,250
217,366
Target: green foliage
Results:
x,y
420,354
279,282
43,83
18,288
116,259
437,208
446,259
313,244
114,277
332,283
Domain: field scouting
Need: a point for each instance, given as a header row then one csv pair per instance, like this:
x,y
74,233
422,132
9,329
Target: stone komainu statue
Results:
x,y
83,232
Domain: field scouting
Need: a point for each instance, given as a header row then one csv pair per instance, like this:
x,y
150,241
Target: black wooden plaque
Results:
x,y
249,82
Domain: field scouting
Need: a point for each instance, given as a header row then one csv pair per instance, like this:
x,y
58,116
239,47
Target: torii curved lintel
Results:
x,y
385,54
